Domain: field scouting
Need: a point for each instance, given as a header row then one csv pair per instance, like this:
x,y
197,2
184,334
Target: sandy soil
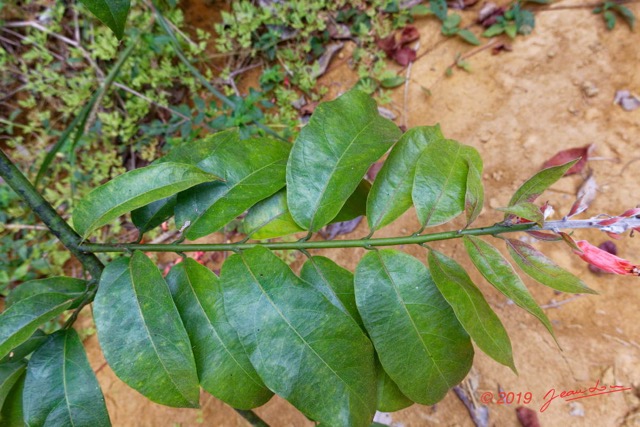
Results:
x,y
518,109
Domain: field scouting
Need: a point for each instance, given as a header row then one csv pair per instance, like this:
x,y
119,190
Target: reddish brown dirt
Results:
x,y
517,109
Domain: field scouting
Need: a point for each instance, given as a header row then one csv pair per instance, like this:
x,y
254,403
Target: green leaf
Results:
x,y
60,388
451,23
133,190
224,369
356,204
497,270
420,10
391,82
390,398
152,215
141,334
474,193
303,347
331,155
11,414
543,270
390,195
270,218
414,330
525,210
626,13
252,169
511,29
334,282
439,8
73,289
440,184
610,19
10,373
468,36
26,348
471,309
535,186
20,321
494,30
112,13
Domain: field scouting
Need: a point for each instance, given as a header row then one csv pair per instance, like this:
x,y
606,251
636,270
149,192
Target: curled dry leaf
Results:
x,y
409,34
489,14
586,195
565,156
325,59
332,231
501,47
627,100
394,45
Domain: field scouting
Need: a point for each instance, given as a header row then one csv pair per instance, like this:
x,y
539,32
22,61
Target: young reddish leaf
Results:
x,y
408,34
525,210
565,156
534,186
389,45
605,260
471,309
527,417
543,270
497,270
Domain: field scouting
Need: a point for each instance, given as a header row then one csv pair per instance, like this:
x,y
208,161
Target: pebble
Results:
x,y
589,89
485,136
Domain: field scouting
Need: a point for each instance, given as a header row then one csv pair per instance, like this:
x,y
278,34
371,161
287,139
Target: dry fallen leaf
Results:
x,y
527,417
586,195
332,231
565,156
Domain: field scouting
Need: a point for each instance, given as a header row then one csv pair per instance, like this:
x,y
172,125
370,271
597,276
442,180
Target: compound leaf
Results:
x,y
60,388
332,154
112,13
223,367
414,330
471,309
543,270
303,347
141,334
390,195
497,270
133,190
252,169
20,321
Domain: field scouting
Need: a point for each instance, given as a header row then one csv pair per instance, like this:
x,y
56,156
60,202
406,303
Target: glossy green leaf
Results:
x,y
73,288
20,321
414,330
390,398
60,388
11,413
390,194
440,184
356,204
303,347
26,348
334,282
471,309
525,210
474,194
468,36
152,215
270,218
133,190
331,155
391,82
10,373
543,270
497,270
141,334
252,169
535,186
223,366
112,13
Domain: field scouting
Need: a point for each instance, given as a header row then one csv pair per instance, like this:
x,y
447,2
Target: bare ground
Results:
x,y
518,109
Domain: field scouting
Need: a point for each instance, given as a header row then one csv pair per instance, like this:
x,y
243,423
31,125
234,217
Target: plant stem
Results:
x,y
622,225
69,238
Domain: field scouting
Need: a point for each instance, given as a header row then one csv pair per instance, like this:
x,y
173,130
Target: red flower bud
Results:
x,y
606,261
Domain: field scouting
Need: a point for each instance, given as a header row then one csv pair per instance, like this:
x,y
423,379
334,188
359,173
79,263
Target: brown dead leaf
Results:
x,y
409,34
527,417
585,196
565,156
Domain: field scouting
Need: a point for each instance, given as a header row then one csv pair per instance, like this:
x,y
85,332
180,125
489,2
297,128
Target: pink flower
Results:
x,y
606,261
